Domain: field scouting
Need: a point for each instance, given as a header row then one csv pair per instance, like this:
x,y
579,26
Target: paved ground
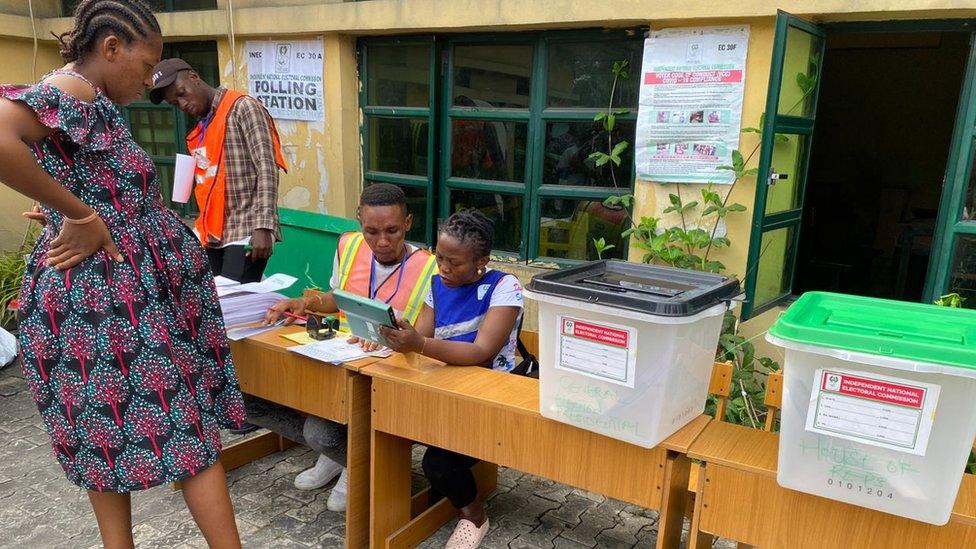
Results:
x,y
39,508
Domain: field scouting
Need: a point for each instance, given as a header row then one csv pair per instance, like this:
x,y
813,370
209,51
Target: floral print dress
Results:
x,y
128,362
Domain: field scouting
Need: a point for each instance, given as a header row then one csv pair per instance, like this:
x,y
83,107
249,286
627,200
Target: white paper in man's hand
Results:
x,y
183,178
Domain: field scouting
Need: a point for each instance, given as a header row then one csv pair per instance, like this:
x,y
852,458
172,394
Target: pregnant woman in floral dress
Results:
x,y
123,342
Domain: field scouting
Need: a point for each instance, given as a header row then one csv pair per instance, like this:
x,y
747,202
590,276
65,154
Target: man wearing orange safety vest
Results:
x,y
238,154
377,263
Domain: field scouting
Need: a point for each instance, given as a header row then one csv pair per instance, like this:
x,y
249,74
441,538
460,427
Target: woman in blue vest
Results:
x,y
470,318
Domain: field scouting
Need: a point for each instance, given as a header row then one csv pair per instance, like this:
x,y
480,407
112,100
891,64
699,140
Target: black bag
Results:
x,y
529,367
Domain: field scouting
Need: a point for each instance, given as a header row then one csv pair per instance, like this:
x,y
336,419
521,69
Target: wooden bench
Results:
x,y
266,369
738,498
495,417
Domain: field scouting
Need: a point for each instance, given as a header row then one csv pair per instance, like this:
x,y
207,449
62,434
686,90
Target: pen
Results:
x,y
293,315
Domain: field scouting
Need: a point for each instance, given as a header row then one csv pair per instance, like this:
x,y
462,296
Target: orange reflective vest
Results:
x,y
356,268
206,144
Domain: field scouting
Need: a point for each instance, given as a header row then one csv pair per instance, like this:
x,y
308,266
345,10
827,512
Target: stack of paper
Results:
x,y
274,283
336,351
245,331
243,308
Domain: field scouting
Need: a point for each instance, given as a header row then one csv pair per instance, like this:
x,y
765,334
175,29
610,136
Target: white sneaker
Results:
x,y
318,476
337,499
466,535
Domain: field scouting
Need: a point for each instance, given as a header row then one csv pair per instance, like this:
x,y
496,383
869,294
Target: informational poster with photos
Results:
x,y
690,114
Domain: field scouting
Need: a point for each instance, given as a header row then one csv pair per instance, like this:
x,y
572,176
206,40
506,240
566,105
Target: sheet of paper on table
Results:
x,y
336,351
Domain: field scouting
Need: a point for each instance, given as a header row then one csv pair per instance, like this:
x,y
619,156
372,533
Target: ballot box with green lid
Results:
x,y
626,349
879,402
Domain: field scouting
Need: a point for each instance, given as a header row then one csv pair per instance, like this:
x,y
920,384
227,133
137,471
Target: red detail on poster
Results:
x,y
693,77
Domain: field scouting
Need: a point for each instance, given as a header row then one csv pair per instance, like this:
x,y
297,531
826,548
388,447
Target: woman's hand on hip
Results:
x,y
75,243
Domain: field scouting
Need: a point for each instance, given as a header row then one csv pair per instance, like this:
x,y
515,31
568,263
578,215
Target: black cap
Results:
x,y
164,74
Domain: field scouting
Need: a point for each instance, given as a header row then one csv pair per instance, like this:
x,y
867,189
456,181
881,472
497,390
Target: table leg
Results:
x,y
389,486
697,539
357,461
677,469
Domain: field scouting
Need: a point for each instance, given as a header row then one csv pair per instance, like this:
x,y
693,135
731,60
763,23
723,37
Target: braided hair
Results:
x,y
471,228
129,20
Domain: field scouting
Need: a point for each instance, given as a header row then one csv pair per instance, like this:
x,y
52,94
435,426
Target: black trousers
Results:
x,y
233,263
450,476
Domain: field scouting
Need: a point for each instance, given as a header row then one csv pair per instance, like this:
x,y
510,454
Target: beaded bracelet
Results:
x,y
82,221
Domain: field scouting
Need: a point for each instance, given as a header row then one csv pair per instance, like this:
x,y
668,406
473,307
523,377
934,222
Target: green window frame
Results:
x,y
417,186
950,266
68,6
143,117
440,114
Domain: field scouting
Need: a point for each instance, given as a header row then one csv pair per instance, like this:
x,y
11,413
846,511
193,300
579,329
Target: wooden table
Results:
x,y
495,417
738,498
266,369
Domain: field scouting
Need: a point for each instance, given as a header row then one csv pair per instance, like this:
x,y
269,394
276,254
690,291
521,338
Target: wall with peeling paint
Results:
x,y
12,224
322,157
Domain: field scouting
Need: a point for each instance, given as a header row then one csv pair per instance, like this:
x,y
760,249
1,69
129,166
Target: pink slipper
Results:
x,y
466,535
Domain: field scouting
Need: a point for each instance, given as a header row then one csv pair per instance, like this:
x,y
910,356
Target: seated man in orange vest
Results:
x,y
237,154
377,263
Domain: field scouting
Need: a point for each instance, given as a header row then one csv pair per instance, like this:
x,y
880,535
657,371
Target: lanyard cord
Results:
x,y
372,277
203,125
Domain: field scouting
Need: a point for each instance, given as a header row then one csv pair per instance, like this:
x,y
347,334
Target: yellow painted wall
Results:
x,y
323,157
42,8
651,198
12,225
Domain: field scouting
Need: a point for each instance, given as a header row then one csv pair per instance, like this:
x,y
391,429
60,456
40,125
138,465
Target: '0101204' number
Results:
x,y
861,489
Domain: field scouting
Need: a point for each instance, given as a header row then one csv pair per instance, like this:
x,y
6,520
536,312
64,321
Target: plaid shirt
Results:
x,y
251,191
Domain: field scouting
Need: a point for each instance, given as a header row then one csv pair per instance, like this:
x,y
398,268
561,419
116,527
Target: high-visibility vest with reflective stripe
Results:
x,y
355,266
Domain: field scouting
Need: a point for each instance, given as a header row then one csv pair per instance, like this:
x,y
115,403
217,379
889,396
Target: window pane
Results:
x,y
398,76
398,145
788,155
155,130
801,69
488,149
580,73
504,209
492,76
568,228
963,277
569,145
417,204
204,62
772,277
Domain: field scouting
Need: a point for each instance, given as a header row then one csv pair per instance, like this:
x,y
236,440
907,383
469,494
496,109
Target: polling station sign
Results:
x,y
286,76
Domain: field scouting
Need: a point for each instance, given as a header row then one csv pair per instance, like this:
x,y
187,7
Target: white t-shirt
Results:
x,y
507,293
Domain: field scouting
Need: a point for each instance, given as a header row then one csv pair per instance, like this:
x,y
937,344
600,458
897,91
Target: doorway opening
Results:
x,y
887,106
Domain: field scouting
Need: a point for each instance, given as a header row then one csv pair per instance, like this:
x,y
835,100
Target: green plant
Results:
x,y
609,119
953,300
601,246
11,275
